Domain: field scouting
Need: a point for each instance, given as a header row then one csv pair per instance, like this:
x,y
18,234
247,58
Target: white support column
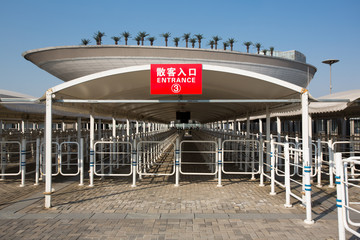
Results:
x,y
340,193
22,126
78,129
306,154
134,162
248,127
177,161
219,159
144,128
23,161
99,129
261,161
92,133
127,128
267,138
272,167
137,128
48,153
287,176
81,161
37,161
113,128
278,139
278,129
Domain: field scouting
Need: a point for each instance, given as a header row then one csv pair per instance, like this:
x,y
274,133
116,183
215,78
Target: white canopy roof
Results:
x,y
133,83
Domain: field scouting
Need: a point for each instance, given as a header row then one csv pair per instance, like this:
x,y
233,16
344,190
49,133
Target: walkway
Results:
x,y
155,209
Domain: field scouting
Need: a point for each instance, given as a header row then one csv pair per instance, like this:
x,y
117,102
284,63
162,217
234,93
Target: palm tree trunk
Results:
x,y
166,42
199,44
215,45
186,43
231,46
126,41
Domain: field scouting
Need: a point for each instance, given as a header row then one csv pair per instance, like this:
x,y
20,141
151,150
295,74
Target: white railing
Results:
x,y
347,202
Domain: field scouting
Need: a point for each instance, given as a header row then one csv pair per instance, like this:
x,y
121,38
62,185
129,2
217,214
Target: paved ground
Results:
x,y
155,209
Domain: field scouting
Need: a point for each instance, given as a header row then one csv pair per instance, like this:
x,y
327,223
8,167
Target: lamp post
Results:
x,y
330,62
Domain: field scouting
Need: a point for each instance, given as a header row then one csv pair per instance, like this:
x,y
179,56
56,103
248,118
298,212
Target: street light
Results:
x,y
330,62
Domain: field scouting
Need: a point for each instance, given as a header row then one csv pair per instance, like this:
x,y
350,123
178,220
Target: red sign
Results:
x,y
176,78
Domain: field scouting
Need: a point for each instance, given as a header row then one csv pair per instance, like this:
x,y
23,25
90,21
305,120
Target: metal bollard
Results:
x,y
23,162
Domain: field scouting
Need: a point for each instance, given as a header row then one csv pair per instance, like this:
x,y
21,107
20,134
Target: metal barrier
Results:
x,y
208,157
10,158
242,155
70,151
347,204
110,156
291,158
55,159
152,156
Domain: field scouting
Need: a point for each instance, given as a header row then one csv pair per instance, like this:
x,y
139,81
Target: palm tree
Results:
x,y
231,41
176,41
211,43
258,46
226,44
199,37
143,35
271,50
216,39
166,36
98,37
186,37
247,44
126,36
151,40
85,41
264,51
193,41
138,39
116,39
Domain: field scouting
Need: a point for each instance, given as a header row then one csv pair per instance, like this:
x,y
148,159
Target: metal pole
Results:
x,y
319,163
331,164
23,161
81,162
37,159
48,153
272,167
127,128
261,154
134,162
92,132
267,138
220,160
78,129
177,158
330,80
287,176
306,154
339,192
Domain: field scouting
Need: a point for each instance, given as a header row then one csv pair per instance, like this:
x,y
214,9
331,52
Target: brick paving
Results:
x,y
156,209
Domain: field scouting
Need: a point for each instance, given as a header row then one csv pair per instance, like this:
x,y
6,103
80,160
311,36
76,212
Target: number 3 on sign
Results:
x,y
176,88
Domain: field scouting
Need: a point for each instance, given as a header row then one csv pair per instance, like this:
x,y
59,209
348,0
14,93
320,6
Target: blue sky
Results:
x,y
321,29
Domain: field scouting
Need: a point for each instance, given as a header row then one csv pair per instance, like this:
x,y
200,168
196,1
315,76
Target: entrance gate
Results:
x,y
112,158
67,160
155,158
241,157
198,157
